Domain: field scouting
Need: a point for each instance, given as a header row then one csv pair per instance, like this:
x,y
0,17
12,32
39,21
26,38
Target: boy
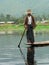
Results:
x,y
29,25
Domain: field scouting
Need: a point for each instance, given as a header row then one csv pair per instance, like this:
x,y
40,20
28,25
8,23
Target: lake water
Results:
x,y
10,54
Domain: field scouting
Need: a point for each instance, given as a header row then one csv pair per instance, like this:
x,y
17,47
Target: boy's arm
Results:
x,y
34,24
25,22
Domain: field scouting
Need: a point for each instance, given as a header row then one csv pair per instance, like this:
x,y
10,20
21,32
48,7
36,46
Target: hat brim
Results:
x,y
28,12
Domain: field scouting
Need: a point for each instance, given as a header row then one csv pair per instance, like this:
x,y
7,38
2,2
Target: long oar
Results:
x,y
20,48
21,39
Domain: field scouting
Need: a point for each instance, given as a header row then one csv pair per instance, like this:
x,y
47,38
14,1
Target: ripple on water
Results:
x,y
13,63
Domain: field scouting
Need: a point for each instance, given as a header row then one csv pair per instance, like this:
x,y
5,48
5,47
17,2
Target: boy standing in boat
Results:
x,y
29,26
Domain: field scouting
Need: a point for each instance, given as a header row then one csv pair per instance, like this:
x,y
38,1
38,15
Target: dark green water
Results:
x,y
10,54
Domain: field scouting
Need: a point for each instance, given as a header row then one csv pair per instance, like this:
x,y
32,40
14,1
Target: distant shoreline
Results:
x,y
18,29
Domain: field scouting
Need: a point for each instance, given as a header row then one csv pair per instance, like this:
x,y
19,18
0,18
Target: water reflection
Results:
x,y
10,54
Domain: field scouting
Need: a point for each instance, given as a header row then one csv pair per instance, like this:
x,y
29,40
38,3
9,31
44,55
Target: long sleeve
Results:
x,y
25,21
33,22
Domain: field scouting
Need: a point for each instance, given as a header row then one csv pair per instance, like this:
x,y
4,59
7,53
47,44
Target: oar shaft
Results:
x,y
21,39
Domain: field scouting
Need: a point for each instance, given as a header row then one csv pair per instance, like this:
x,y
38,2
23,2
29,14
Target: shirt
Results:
x,y
29,20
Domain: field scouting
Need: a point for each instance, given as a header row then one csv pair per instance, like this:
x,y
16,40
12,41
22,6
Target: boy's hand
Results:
x,y
25,26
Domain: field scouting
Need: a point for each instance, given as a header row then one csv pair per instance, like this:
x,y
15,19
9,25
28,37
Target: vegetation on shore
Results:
x,y
20,27
18,23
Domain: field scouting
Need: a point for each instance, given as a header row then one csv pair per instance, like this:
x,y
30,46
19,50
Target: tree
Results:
x,y
2,17
8,17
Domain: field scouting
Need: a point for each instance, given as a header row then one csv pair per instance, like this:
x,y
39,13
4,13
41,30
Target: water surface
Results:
x,y
10,54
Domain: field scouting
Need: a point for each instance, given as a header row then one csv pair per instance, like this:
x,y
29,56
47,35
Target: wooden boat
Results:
x,y
40,44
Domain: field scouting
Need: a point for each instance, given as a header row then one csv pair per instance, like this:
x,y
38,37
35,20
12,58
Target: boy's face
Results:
x,y
29,14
